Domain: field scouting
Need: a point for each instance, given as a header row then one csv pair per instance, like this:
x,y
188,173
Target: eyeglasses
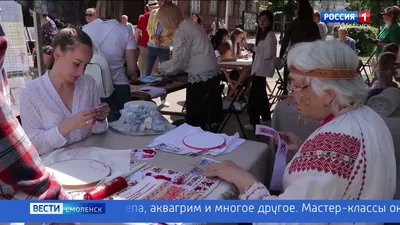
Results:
x,y
292,90
90,15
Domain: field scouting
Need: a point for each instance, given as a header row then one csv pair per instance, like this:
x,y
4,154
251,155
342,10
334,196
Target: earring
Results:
x,y
307,105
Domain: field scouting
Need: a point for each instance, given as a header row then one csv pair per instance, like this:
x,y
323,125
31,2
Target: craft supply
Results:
x,y
280,156
177,181
144,154
107,189
204,141
200,167
70,175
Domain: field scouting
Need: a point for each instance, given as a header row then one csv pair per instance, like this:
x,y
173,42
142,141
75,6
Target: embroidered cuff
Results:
x,y
256,191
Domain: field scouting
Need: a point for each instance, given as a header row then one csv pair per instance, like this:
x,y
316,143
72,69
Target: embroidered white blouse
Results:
x,y
351,157
193,53
265,54
42,110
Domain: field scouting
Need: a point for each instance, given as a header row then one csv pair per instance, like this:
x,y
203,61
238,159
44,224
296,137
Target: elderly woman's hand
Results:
x,y
293,142
232,173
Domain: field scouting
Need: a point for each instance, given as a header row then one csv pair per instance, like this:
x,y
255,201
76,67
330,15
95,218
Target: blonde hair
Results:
x,y
170,16
93,10
107,9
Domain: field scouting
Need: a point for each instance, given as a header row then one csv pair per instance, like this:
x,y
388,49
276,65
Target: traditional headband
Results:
x,y
334,74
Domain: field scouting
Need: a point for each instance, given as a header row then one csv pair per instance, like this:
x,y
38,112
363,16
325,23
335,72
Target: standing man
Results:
x,y
124,20
342,33
323,29
142,37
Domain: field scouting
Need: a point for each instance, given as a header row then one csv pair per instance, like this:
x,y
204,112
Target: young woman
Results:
x,y
63,106
237,41
220,36
263,66
391,31
197,19
190,47
119,48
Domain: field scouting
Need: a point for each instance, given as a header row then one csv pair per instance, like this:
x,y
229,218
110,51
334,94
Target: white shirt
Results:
x,y
42,111
332,164
192,46
217,53
323,30
114,46
265,54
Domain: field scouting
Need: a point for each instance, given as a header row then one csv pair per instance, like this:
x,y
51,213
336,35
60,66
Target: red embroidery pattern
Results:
x,y
329,152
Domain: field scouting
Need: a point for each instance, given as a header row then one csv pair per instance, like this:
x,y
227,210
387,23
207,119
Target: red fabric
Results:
x,y
142,25
22,175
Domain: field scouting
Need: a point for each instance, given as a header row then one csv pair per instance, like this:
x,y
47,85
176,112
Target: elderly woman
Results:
x,y
193,53
349,156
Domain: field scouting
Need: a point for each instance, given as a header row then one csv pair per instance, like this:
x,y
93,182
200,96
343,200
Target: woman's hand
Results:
x,y
293,142
102,111
84,119
232,173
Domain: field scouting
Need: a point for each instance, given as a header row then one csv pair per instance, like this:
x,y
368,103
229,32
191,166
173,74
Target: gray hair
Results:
x,y
330,55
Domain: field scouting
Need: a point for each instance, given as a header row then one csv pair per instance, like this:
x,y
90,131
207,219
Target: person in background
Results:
x,y
124,21
263,67
237,42
141,33
385,71
197,19
119,48
215,26
190,47
323,29
63,106
90,14
390,33
158,47
342,33
49,30
223,25
219,37
349,156
301,29
392,47
223,53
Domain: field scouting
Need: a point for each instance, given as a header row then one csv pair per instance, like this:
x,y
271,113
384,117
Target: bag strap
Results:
x,y
101,43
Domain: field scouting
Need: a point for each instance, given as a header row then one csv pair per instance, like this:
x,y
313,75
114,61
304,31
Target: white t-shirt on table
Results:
x,y
114,46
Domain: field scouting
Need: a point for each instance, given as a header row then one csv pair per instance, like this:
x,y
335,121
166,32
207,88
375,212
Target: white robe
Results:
x,y
333,165
42,111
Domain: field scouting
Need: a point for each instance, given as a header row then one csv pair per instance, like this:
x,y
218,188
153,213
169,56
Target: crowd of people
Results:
x,y
63,106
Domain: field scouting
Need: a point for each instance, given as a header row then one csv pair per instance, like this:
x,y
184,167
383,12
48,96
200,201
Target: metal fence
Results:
x,y
16,62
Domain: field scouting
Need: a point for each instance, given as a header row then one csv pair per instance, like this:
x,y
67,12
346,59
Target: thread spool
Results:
x,y
105,190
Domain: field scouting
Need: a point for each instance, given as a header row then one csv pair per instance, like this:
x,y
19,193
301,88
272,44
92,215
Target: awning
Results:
x,y
68,11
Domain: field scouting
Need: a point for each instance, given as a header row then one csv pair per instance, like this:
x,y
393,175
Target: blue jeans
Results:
x,y
151,56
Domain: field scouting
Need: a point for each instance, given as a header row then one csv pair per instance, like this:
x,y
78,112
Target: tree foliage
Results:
x,y
376,8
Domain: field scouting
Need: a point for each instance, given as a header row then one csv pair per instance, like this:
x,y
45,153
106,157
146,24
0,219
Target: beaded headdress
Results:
x,y
333,74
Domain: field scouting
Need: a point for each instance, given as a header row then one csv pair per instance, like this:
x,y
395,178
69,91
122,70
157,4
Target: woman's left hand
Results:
x,y
102,111
232,173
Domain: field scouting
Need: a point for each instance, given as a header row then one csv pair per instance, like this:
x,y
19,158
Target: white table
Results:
x,y
251,156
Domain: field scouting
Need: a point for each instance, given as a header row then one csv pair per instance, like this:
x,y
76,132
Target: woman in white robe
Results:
x,y
349,156
63,106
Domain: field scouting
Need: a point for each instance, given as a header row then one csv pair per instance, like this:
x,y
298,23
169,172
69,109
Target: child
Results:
x,y
223,52
392,47
385,71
